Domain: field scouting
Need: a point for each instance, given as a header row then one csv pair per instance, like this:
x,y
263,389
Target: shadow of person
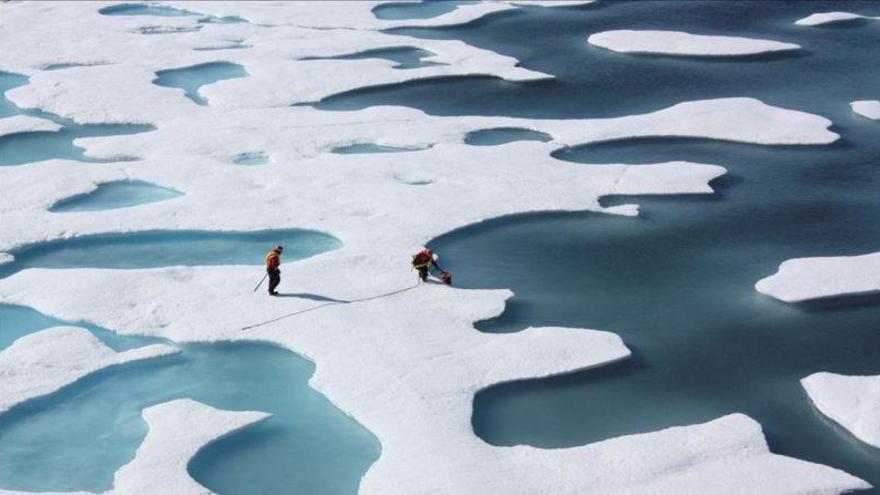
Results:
x,y
313,297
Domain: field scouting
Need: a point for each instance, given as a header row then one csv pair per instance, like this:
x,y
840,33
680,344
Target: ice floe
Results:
x,y
851,401
867,108
824,18
178,430
408,379
41,363
685,44
801,279
26,123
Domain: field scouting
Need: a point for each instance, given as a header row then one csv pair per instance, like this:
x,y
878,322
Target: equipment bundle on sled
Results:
x,y
424,260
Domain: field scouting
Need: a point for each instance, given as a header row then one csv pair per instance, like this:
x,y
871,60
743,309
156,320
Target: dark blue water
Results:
x,y
154,249
77,438
190,79
425,9
112,195
405,57
28,147
494,137
677,283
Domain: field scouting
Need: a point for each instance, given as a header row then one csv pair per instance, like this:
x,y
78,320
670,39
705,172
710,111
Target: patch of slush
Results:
x,y
41,363
685,44
869,109
494,137
802,279
424,9
853,402
252,158
119,194
404,57
358,148
828,18
190,79
168,248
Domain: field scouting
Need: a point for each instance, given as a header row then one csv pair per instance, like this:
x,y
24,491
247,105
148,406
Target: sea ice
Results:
x,y
40,363
801,279
867,108
685,44
408,379
824,18
851,401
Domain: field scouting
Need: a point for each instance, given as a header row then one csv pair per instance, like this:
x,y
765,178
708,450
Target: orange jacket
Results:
x,y
273,260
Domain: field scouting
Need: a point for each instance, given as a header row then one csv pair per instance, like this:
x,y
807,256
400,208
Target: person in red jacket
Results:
x,y
273,262
424,260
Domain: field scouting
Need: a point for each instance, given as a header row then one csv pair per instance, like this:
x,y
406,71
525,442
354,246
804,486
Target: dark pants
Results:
x,y
423,273
274,279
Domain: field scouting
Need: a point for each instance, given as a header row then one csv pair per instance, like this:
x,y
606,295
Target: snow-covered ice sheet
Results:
x,y
801,279
43,362
851,401
867,108
408,379
26,123
823,18
685,44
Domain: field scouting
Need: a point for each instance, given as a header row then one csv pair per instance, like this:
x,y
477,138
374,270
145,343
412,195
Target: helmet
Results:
x,y
279,248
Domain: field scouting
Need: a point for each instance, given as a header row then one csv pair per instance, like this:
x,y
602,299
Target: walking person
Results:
x,y
273,262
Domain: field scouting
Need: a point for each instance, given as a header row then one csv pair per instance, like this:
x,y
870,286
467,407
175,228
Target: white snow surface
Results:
x,y
685,44
41,363
851,401
801,279
822,18
26,123
869,109
408,378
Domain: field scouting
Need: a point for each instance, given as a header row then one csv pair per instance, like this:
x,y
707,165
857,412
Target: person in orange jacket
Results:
x,y
273,262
